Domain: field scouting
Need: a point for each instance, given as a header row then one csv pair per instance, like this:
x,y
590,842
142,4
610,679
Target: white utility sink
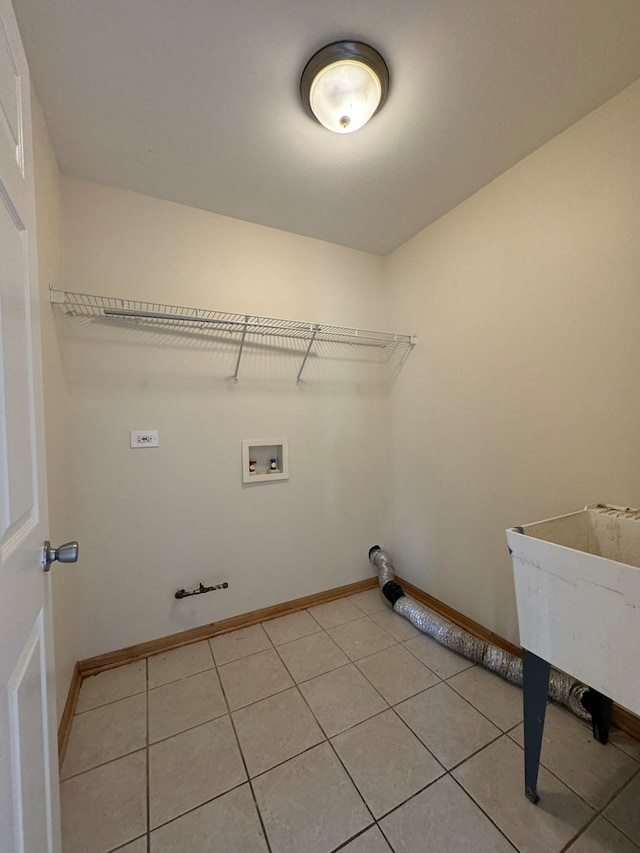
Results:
x,y
577,580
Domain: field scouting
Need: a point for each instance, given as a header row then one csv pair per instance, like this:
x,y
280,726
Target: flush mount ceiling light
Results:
x,y
344,84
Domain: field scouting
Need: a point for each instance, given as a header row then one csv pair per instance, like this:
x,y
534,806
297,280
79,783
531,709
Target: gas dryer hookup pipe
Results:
x,y
562,688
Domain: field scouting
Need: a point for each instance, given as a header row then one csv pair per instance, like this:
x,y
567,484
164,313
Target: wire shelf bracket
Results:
x,y
306,355
237,326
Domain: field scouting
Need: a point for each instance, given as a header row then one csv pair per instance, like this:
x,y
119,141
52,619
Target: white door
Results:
x,y
29,800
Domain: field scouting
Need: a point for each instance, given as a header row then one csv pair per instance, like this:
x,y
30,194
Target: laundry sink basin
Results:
x,y
577,580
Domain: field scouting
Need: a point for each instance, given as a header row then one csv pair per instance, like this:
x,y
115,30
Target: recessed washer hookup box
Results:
x,y
577,580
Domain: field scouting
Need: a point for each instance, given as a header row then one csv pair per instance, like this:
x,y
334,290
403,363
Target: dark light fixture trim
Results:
x,y
355,51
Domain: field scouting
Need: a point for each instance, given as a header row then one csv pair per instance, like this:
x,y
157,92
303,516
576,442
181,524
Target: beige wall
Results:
x,y
61,528
152,521
519,402
522,399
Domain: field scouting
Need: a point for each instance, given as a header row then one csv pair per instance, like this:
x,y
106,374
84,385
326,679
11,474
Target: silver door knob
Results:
x,y
67,553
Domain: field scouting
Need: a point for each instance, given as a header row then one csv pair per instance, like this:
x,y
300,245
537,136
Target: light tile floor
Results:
x,y
337,728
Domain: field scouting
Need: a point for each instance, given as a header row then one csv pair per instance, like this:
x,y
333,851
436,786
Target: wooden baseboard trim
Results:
x,y
623,719
99,663
64,729
626,721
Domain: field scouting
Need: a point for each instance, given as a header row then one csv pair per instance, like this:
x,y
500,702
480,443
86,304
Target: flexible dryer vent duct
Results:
x,y
562,688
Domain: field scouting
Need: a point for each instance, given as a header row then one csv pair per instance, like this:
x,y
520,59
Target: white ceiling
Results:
x,y
197,101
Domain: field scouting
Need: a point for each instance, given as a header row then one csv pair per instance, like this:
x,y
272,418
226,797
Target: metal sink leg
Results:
x,y
535,688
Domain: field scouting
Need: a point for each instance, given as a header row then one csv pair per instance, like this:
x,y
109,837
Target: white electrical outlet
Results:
x,y
144,438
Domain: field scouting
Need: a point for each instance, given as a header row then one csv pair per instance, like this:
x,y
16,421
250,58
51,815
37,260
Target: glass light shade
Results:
x,y
344,95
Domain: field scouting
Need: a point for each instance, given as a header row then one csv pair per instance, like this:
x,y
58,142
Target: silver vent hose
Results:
x,y
562,688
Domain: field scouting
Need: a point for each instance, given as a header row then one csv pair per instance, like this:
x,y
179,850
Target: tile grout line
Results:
x,y
342,666
211,640
251,704
502,733
507,732
401,643
417,793
126,844
182,677
485,813
557,778
580,832
168,653
385,836
475,752
306,680
302,696
597,809
567,713
449,772
412,796
375,820
624,785
601,814
404,723
285,616
621,831
328,738
222,793
290,758
149,738
333,750
319,630
353,838
623,751
355,662
188,729
425,788
361,613
104,763
482,714
384,631
241,708
379,713
147,688
596,812
111,701
275,647
610,801
320,674
227,712
195,808
242,758
446,771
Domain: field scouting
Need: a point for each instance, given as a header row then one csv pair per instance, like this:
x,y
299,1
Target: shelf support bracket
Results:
x,y
316,329
244,334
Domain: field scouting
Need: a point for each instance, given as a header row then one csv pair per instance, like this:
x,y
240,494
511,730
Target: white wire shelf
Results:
x,y
237,326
